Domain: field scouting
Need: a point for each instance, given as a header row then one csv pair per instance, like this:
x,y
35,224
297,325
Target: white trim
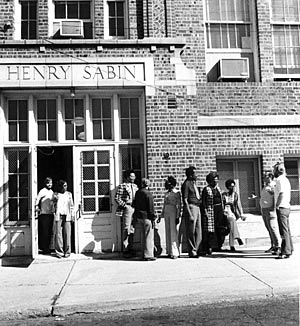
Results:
x,y
248,121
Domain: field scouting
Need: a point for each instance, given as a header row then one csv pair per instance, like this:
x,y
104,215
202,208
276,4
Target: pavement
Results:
x,y
107,282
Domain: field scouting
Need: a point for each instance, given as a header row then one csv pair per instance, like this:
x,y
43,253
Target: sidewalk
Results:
x,y
107,282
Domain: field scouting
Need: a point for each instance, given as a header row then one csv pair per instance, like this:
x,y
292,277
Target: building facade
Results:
x,y
90,88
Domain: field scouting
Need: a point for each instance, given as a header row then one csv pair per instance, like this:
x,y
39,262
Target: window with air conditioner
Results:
x,y
230,34
72,19
285,22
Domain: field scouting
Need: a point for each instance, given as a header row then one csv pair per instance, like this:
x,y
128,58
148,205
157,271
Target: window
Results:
x,y
74,119
96,181
131,157
73,19
101,118
286,36
245,173
18,120
46,119
130,120
228,24
116,18
292,166
17,192
28,20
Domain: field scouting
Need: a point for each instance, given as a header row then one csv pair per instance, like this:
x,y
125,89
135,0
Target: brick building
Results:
x,y
90,88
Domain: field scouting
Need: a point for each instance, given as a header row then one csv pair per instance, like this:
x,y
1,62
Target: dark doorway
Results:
x,y
57,163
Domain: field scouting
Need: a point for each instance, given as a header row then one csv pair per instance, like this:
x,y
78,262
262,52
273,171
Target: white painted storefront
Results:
x,y
81,120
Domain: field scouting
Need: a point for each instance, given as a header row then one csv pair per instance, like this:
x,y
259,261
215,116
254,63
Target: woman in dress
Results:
x,y
233,211
171,213
212,213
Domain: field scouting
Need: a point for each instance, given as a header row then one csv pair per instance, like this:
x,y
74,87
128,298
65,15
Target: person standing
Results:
x,y
191,211
125,197
212,213
171,213
64,215
145,215
268,212
282,196
233,211
45,209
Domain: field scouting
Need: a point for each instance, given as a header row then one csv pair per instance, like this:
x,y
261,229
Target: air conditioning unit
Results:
x,y
71,28
237,68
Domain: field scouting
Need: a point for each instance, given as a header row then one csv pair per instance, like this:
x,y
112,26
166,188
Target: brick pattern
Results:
x,y
6,16
42,23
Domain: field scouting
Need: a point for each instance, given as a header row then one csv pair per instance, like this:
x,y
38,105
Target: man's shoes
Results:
x,y
276,251
194,256
173,257
150,259
269,250
283,257
240,241
232,249
67,255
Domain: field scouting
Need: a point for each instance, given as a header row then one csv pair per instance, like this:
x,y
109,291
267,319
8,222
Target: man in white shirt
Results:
x,y
282,196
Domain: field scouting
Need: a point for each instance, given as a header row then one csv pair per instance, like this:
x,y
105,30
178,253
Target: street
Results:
x,y
273,311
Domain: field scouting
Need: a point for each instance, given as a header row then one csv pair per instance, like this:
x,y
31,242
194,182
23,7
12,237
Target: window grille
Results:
x,y
28,19
18,120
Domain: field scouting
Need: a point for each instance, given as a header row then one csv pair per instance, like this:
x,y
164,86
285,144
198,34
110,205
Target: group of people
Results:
x,y
275,209
208,216
55,212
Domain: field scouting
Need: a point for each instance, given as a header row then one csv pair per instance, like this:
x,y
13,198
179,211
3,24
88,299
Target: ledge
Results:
x,y
177,42
248,121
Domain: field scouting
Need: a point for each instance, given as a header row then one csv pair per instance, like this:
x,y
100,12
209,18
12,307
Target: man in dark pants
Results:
x,y
191,211
45,209
145,215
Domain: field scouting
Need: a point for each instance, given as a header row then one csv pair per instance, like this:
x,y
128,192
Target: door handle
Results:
x,y
78,213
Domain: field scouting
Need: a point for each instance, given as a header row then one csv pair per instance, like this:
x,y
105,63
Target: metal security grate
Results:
x,y
17,192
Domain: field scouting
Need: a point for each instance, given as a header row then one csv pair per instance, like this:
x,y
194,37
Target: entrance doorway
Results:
x,y
57,163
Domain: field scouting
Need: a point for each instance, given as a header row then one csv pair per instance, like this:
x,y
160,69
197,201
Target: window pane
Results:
x,y
135,128
103,188
89,189
88,173
213,10
125,134
225,35
72,10
23,162
88,157
41,109
12,110
12,162
69,130
69,113
13,209
23,112
23,185
96,108
232,36
24,10
23,209
52,130
111,9
106,108
120,24
104,204
51,109
84,10
103,158
89,205
32,10
13,186
97,134
215,36
112,27
278,10
231,10
42,130
12,131
60,10
134,108
23,131
120,9
124,102
107,129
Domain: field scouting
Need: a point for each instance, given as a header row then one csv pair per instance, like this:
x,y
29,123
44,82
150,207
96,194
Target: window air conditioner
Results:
x,y
237,68
71,28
